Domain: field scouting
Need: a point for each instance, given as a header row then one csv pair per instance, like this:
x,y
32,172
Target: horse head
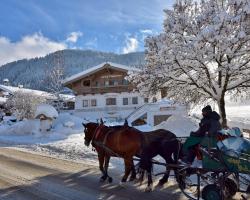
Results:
x,y
89,130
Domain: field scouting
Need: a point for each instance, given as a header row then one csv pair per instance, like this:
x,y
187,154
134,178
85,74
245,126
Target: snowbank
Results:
x,y
47,110
179,125
25,127
67,123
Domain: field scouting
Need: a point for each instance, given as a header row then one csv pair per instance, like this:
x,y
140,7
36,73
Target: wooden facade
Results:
x,y
105,80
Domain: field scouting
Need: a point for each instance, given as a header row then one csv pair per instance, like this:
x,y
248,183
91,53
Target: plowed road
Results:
x,y
26,176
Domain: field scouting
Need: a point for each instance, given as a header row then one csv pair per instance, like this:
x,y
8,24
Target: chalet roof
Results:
x,y
12,90
47,95
5,89
98,68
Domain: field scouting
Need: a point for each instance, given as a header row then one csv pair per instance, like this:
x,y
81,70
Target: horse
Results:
x,y
165,147
117,141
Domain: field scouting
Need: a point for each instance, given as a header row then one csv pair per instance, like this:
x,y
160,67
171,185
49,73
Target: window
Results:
x,y
97,84
106,83
85,103
116,82
135,100
125,101
93,102
111,82
125,82
86,83
145,100
110,101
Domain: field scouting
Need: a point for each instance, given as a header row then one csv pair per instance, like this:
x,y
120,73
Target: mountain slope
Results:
x,y
32,73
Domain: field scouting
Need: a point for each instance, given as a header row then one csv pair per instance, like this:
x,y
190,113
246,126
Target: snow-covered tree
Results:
x,y
23,105
55,75
203,52
54,79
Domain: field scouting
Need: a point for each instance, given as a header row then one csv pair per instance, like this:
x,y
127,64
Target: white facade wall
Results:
x,y
101,100
118,111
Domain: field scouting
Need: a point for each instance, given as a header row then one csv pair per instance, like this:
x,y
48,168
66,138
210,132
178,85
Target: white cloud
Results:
x,y
29,46
146,31
131,45
74,36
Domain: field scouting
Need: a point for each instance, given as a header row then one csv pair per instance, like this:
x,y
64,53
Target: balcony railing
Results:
x,y
109,86
106,89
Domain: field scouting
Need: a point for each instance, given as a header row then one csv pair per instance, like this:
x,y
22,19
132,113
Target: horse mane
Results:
x,y
116,127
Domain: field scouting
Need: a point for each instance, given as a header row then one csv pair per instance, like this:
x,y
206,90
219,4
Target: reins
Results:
x,y
95,133
102,144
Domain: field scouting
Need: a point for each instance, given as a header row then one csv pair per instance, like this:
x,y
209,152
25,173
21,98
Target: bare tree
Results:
x,y
54,79
23,105
203,53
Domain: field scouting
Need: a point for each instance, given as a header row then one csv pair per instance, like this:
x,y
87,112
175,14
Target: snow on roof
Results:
x,y
97,68
5,88
67,97
47,110
12,90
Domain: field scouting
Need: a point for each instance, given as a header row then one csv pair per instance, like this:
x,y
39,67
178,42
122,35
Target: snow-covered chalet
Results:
x,y
103,91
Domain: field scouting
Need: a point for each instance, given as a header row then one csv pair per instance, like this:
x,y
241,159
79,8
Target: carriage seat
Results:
x,y
235,146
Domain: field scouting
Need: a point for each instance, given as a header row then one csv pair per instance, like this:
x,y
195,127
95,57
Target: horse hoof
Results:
x,y
102,179
161,183
131,179
148,189
110,179
122,184
159,186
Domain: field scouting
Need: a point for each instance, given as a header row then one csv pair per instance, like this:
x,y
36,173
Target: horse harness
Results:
x,y
103,143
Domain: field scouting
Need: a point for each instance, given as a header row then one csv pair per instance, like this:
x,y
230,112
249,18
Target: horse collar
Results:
x,y
97,132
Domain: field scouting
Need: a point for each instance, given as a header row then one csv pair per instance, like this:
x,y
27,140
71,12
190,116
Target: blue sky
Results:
x,y
30,28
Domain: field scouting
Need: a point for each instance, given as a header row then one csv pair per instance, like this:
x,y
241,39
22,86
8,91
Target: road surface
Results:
x,y
28,176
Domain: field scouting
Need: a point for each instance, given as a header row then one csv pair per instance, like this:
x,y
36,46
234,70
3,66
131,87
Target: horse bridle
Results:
x,y
98,128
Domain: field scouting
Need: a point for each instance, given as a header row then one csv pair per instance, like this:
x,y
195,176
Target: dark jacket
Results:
x,y
209,124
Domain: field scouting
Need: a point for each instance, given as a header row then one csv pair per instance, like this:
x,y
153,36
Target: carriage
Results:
x,y
225,168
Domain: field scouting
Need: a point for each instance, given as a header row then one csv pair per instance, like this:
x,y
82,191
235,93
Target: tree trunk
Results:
x,y
222,110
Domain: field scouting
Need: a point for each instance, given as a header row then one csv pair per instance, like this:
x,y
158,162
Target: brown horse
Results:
x,y
118,141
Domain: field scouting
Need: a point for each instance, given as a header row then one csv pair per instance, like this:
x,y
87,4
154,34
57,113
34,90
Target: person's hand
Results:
x,y
192,133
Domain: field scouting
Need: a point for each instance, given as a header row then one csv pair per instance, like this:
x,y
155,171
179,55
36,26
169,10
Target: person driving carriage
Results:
x,y
209,125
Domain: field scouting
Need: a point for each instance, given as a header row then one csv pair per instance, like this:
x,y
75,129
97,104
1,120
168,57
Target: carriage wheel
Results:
x,y
211,192
189,184
231,187
248,189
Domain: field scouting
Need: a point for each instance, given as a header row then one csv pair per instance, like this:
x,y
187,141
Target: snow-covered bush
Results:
x,y
23,105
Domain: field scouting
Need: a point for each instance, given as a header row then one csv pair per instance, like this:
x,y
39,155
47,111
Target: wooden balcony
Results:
x,y
105,89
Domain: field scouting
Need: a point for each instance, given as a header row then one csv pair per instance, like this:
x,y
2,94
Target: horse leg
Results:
x,y
141,176
106,166
101,162
147,165
128,164
164,179
150,182
133,172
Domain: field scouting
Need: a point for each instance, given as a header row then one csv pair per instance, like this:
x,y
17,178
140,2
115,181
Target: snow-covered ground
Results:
x,y
66,138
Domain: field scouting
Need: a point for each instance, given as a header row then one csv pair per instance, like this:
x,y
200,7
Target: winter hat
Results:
x,y
207,109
